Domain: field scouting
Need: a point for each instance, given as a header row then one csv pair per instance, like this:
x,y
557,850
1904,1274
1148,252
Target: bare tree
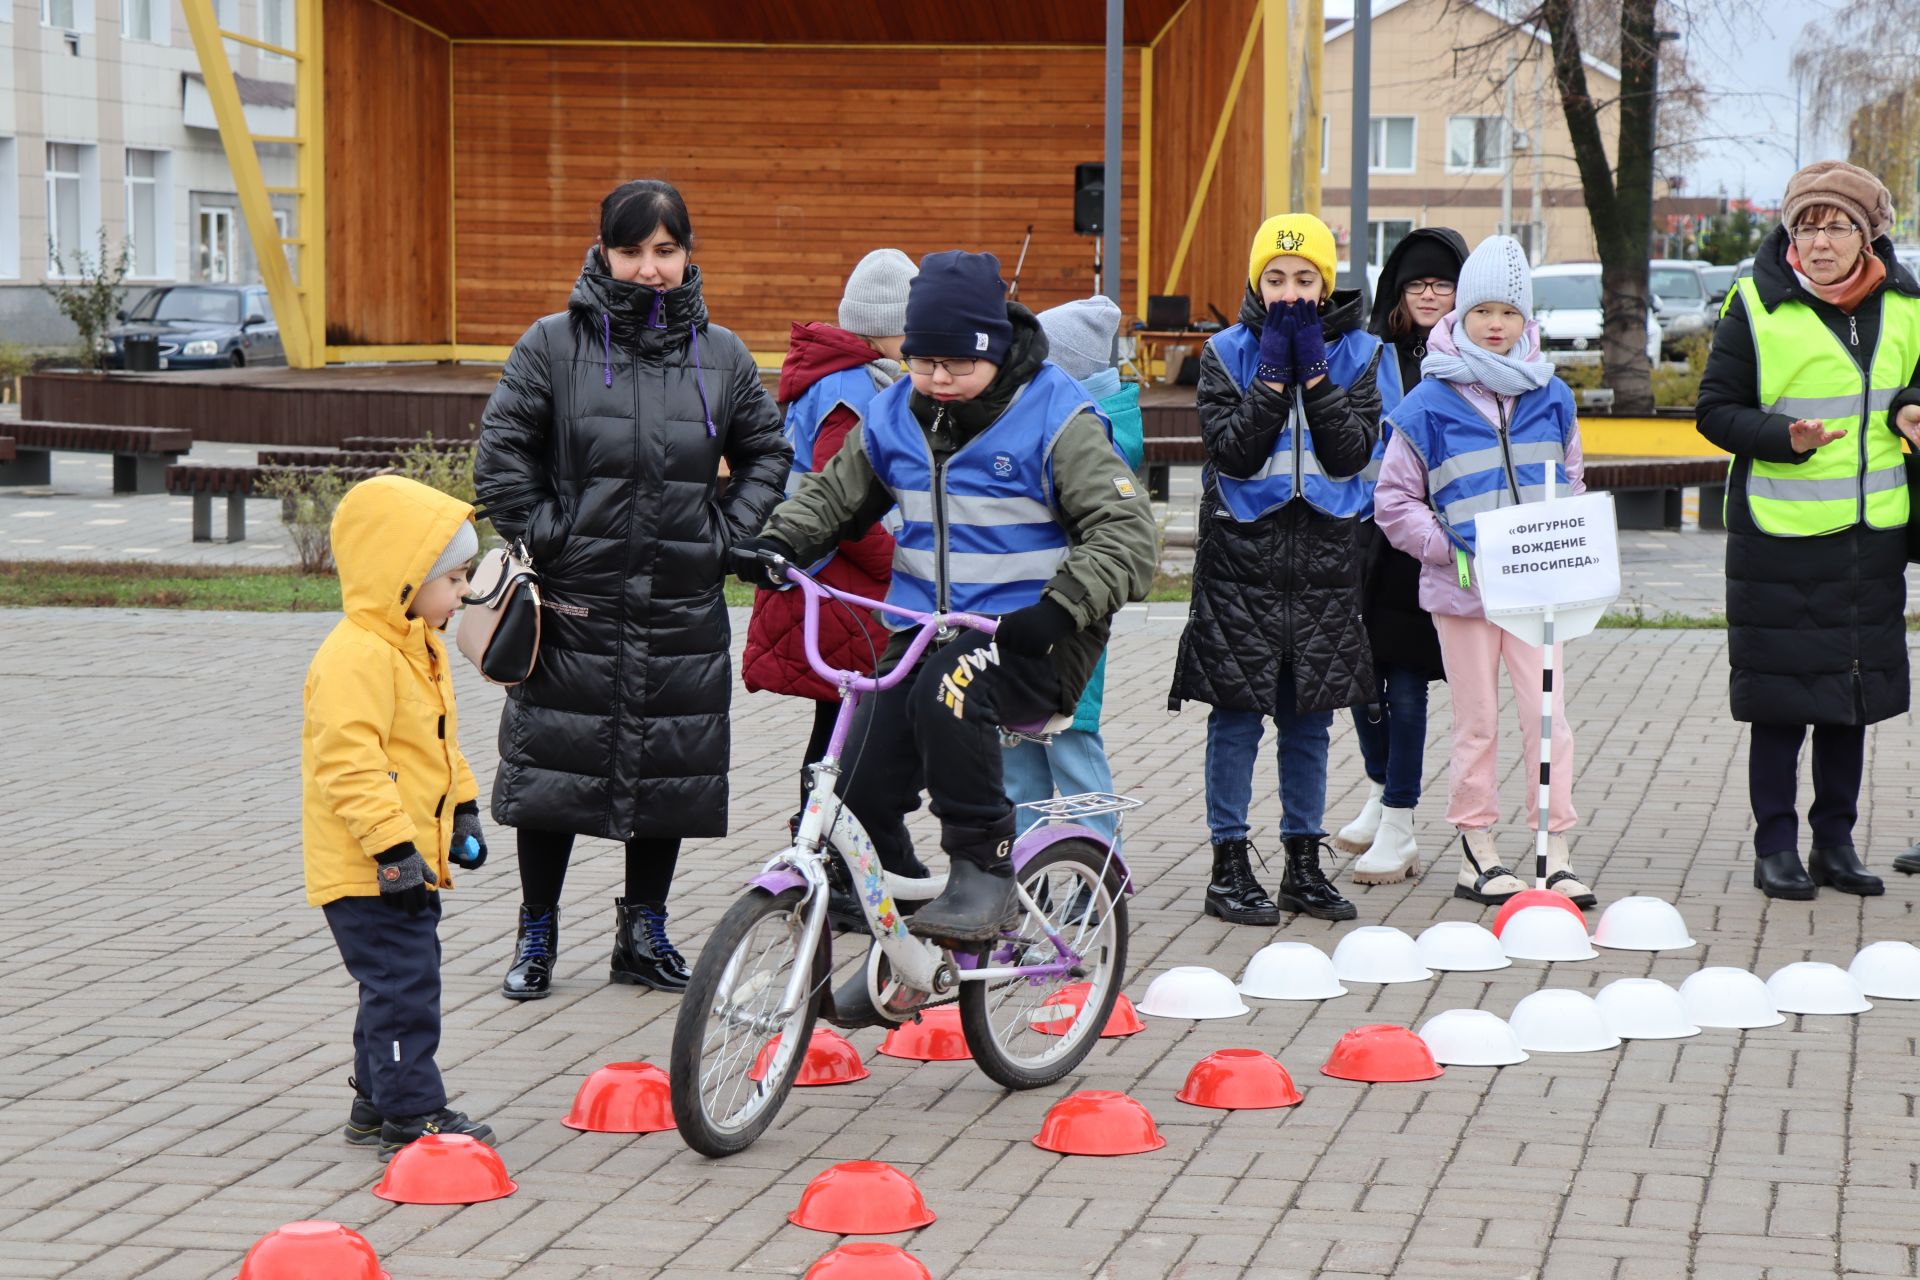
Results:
x,y
1858,65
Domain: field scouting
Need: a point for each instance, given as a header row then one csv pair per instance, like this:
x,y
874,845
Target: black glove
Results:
x,y
1309,341
753,561
469,850
1035,629
1276,344
404,876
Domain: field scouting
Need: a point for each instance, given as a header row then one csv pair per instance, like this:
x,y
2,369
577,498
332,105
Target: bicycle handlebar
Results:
x,y
929,624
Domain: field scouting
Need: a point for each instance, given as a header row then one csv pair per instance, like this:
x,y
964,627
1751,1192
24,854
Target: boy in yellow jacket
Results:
x,y
387,799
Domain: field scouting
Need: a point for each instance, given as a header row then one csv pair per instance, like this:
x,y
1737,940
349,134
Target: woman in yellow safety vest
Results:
x,y
1813,380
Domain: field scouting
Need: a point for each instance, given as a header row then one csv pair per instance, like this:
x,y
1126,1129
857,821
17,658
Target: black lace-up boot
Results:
x,y
1234,894
1304,886
642,955
530,977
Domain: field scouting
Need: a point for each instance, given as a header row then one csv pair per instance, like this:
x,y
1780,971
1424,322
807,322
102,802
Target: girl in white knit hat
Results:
x,y
1477,434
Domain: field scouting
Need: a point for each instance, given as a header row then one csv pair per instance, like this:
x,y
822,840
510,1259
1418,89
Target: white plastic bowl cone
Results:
x,y
1460,946
1546,933
1290,971
1813,986
1721,996
1471,1038
1557,1020
1378,953
1642,924
1644,1009
1192,991
1887,970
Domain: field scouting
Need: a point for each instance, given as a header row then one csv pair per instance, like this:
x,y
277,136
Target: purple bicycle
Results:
x,y
764,973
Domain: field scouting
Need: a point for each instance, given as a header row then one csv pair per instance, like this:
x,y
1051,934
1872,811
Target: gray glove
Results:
x,y
404,876
469,850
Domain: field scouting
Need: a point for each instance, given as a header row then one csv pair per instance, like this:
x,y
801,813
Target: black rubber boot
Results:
x,y
1908,863
363,1121
642,956
1839,866
1780,875
1233,894
530,976
1304,887
979,900
397,1133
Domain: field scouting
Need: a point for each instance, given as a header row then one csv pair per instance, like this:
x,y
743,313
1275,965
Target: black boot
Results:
x,y
363,1120
1234,894
976,905
642,956
1780,875
397,1133
530,976
1304,887
1908,863
1839,866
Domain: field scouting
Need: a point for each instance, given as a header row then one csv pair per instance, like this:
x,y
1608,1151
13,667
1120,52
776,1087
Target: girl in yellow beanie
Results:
x,y
1289,412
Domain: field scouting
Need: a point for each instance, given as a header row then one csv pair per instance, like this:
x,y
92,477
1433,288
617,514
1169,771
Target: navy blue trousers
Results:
x,y
395,958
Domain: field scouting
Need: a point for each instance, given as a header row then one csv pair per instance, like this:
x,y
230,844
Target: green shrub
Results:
x,y
307,501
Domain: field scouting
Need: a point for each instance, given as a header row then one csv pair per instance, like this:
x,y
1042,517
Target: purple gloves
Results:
x,y
1293,347
1309,342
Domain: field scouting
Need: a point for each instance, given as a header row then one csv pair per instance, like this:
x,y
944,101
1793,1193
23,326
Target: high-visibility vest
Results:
x,y
1292,466
853,388
1477,464
1805,371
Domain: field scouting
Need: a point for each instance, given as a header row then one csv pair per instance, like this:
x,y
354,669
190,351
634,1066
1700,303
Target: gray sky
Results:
x,y
1753,111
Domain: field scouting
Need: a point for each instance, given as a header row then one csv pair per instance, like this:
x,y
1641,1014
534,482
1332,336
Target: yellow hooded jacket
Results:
x,y
379,760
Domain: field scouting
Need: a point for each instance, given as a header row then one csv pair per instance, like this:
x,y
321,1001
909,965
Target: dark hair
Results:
x,y
633,211
1399,320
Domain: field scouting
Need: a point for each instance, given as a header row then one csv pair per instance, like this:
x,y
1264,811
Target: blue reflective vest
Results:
x,y
1475,465
852,387
1386,379
980,535
1271,487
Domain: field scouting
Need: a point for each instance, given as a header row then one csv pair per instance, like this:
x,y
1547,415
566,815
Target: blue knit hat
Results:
x,y
957,307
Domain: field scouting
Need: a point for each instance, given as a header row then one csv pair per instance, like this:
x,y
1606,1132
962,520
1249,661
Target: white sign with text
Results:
x,y
1562,555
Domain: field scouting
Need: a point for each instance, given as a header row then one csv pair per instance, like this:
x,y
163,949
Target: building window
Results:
x,y
1390,145
276,26
9,210
73,204
60,13
1476,144
145,20
214,245
150,213
1387,235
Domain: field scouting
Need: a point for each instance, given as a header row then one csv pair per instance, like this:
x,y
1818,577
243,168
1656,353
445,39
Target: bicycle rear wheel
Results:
x,y
730,1013
1080,898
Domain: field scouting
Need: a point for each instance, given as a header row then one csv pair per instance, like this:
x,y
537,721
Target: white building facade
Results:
x,y
105,125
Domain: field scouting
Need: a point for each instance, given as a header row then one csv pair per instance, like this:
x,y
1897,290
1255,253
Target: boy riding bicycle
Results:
x,y
1014,504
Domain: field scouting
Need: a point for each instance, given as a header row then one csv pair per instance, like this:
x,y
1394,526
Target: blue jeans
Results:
x,y
1076,762
1233,743
1394,747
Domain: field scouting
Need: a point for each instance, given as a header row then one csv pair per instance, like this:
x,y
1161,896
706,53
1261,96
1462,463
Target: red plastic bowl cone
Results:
x,y
1123,1021
1098,1122
314,1250
622,1097
1534,898
1381,1054
861,1198
445,1168
1239,1080
831,1059
935,1038
868,1260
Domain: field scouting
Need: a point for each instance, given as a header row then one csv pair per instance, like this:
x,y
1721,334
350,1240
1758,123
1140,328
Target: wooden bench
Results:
x,y
236,485
6,448
357,459
402,444
1647,491
141,455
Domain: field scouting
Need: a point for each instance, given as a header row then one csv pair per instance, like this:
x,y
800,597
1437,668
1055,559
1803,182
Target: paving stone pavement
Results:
x,y
176,1029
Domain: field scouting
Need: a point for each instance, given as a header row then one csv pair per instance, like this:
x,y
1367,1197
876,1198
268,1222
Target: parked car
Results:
x,y
201,326
1566,303
1682,303
1744,270
1719,284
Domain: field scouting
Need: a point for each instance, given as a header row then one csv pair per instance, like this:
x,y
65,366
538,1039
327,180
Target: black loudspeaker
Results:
x,y
1089,198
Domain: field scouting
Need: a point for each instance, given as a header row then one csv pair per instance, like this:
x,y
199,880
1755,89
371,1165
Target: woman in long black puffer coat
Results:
x,y
601,449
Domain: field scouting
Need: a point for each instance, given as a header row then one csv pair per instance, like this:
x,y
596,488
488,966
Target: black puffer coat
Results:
x,y
601,446
1816,626
1280,595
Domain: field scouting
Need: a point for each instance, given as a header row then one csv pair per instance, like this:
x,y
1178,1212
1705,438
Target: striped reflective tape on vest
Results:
x,y
971,508
983,568
1522,453
1879,400
1833,489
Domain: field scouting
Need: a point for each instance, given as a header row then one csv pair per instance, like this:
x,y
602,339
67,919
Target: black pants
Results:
x,y
824,715
395,958
1773,772
544,856
939,730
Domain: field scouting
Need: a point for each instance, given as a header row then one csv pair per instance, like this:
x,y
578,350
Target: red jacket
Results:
x,y
776,657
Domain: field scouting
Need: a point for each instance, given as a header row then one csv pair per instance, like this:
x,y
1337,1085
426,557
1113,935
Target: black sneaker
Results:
x,y
363,1122
397,1133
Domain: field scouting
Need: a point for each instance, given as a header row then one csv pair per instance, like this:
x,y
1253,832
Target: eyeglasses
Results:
x,y
925,366
1438,288
1835,231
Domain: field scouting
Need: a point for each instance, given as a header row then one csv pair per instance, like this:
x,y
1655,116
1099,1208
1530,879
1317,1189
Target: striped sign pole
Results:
x,y
1546,728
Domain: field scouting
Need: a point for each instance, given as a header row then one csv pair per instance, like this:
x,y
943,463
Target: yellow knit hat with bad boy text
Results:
x,y
1300,234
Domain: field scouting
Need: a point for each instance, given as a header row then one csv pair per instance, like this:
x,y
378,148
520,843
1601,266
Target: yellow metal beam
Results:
x,y
1276,114
278,139
291,55
309,89
1143,205
1313,23
1213,151
255,205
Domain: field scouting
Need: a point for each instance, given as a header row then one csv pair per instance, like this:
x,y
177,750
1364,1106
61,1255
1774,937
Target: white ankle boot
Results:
x,y
1358,834
1560,877
1394,855
1482,878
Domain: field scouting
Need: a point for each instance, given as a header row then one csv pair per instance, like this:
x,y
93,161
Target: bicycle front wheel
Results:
x,y
1029,1032
726,1084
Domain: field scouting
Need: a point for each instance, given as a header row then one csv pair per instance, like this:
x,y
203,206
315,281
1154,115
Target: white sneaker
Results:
x,y
1482,878
1394,855
1358,835
1560,877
